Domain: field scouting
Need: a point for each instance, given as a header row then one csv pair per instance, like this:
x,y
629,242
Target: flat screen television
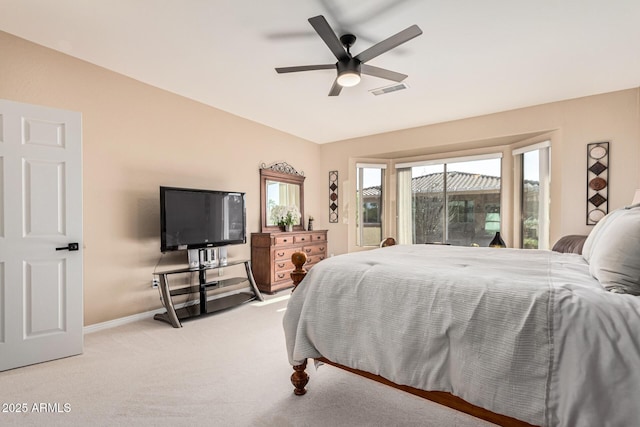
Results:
x,y
196,219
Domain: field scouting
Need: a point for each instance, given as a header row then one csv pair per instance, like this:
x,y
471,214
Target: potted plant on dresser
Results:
x,y
286,216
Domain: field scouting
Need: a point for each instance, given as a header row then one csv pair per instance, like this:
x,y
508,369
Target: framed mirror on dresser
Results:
x,y
281,190
280,186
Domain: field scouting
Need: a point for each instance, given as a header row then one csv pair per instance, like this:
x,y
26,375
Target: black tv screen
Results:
x,y
194,219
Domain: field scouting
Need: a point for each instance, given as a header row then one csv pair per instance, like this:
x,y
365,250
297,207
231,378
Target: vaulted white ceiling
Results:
x,y
473,58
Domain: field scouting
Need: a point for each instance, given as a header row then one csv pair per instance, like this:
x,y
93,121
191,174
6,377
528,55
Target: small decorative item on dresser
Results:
x,y
310,227
497,241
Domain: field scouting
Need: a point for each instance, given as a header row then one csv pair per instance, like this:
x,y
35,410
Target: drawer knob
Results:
x,y
307,250
280,253
280,265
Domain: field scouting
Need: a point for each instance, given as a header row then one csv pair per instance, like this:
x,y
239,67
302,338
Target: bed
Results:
x,y
517,337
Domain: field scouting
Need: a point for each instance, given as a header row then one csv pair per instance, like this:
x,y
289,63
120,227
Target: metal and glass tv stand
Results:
x,y
206,304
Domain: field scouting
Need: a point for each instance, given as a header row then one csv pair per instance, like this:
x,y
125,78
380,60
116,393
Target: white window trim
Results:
x,y
371,165
532,147
449,160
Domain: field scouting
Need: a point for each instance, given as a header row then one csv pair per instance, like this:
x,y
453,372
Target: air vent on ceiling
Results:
x,y
388,89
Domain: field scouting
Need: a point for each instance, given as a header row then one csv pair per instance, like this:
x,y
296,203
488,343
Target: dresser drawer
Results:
x,y
284,254
284,240
302,238
318,237
313,260
282,275
283,265
314,249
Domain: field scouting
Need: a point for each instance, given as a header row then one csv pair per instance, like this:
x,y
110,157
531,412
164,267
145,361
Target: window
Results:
x,y
369,211
534,164
455,200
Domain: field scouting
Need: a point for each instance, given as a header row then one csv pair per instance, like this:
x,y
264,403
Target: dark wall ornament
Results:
x,y
333,196
597,181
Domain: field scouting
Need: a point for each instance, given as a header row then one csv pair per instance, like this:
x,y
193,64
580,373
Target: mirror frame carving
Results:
x,y
281,172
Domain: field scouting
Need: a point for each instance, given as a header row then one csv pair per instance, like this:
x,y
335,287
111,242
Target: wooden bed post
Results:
x,y
299,378
299,259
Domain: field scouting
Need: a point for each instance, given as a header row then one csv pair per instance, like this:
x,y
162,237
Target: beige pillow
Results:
x,y
614,257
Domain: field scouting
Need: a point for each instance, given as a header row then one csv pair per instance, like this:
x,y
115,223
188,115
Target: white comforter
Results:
x,y
528,334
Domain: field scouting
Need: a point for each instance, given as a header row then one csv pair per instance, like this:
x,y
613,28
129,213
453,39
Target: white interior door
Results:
x,y
41,315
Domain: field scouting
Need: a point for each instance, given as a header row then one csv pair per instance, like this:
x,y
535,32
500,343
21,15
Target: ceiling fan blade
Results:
x,y
329,36
306,68
389,43
335,89
382,73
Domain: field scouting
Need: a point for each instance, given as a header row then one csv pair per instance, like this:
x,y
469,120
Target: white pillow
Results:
x,y
614,257
597,232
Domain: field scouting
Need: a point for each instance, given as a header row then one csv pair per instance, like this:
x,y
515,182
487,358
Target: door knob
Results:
x,y
69,247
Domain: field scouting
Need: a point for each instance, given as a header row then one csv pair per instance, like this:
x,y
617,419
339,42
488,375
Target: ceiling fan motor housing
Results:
x,y
349,72
352,65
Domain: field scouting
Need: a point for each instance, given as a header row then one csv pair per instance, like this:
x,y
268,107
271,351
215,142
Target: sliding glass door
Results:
x,y
535,180
369,196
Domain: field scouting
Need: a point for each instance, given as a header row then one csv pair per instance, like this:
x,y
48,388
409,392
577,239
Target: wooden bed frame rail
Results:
x,y
300,378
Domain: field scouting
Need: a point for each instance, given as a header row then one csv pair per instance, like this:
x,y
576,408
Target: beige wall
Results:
x,y
136,137
570,125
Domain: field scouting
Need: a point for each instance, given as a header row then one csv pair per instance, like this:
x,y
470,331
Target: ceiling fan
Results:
x,y
350,67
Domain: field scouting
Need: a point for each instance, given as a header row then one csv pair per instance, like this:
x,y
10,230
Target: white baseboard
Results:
x,y
121,321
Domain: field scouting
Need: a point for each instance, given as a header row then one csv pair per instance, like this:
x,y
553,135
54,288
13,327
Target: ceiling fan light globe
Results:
x,y
348,79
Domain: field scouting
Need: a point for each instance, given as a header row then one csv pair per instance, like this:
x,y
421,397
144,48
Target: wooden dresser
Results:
x,y
271,256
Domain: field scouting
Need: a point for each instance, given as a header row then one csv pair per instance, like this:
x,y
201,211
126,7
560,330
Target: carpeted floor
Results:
x,y
226,369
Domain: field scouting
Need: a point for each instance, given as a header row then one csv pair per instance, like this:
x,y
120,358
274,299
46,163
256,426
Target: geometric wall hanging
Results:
x,y
333,196
597,181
